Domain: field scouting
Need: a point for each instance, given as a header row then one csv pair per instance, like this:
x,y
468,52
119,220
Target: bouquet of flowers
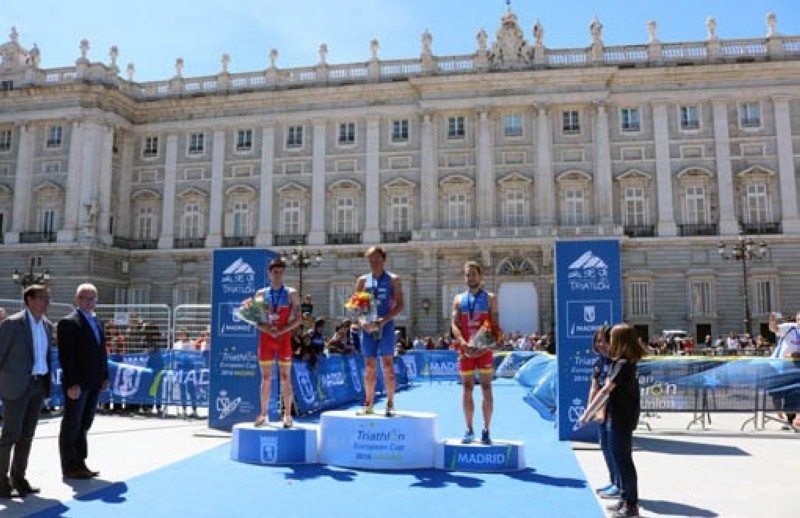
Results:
x,y
483,340
365,308
254,310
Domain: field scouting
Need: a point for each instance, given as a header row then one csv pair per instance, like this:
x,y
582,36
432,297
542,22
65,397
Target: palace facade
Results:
x,y
493,155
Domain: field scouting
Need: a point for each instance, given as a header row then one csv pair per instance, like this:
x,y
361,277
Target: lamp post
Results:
x,y
302,259
744,250
25,279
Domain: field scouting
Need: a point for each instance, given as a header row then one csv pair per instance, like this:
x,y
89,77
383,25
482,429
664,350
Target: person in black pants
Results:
x,y
25,340
82,354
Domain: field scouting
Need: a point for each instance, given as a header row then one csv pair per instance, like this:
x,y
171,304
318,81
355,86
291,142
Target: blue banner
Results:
x,y
588,295
235,376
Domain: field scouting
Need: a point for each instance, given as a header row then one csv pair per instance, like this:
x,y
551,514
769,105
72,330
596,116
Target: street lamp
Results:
x,y
25,279
744,250
302,259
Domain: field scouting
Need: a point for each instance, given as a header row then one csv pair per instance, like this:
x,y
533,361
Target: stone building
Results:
x,y
492,155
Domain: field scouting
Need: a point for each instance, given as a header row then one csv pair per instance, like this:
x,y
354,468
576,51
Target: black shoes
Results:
x,y
24,488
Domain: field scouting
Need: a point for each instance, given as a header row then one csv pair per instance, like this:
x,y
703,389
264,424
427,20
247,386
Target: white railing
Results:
x,y
684,51
743,48
567,57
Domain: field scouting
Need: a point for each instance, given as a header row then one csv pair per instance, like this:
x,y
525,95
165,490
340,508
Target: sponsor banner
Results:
x,y
497,457
273,446
588,295
235,375
510,363
436,365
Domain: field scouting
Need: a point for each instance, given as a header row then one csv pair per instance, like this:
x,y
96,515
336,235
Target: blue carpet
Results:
x,y
210,484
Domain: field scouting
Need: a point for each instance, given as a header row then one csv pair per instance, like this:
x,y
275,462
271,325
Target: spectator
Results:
x,y
3,314
154,344
302,350
732,344
355,338
203,342
400,344
430,345
317,337
183,364
419,344
788,334
307,306
339,342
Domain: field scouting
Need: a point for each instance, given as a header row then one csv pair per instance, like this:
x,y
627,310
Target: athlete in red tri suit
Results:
x,y
470,310
275,341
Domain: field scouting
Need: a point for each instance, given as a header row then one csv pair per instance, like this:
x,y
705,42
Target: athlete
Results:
x,y
275,340
471,309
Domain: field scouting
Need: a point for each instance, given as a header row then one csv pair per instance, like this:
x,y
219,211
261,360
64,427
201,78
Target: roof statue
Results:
x,y
510,49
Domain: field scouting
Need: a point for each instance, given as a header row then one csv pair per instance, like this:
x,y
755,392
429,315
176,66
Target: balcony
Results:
x,y
189,242
396,237
640,230
238,241
37,237
289,240
761,228
135,244
698,229
344,238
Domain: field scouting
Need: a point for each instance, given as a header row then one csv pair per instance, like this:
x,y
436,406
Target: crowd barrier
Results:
x,y
698,385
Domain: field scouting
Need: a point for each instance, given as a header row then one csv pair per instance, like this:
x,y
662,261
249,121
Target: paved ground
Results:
x,y
719,471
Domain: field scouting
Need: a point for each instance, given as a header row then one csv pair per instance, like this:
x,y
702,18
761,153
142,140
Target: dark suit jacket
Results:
x,y
16,356
82,357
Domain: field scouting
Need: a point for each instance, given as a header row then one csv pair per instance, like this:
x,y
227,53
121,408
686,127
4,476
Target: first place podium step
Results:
x,y
405,441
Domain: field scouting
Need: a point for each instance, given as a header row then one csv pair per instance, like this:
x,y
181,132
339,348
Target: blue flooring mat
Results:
x,y
210,484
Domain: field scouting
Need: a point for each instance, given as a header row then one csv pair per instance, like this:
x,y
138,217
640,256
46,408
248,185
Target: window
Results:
x,y
145,223
571,122
197,143
573,206
139,296
150,148
51,167
400,214
6,86
241,218
629,119
457,216
347,133
515,208
185,294
513,125
244,140
344,218
48,222
700,292
5,140
639,296
400,130
696,210
634,206
191,221
294,136
115,143
756,210
55,135
455,128
2,225
690,119
291,216
765,297
750,115
341,293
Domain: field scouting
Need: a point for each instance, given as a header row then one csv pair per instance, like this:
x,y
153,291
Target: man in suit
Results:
x,y
84,368
25,340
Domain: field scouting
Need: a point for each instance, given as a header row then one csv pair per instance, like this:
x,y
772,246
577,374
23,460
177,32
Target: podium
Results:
x,y
498,457
405,441
272,444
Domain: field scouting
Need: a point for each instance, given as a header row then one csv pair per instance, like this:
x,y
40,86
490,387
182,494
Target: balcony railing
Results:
x,y
135,244
289,240
698,229
640,230
238,241
37,237
761,228
344,238
189,242
396,237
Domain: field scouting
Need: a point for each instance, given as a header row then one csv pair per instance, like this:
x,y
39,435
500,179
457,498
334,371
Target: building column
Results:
x,y
429,173
722,145
125,217
666,217
603,182
372,215
484,177
166,239
266,191
790,222
217,197
543,178
106,174
23,195
72,196
317,234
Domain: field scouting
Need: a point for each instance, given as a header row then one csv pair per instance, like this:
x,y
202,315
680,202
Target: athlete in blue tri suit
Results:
x,y
386,288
